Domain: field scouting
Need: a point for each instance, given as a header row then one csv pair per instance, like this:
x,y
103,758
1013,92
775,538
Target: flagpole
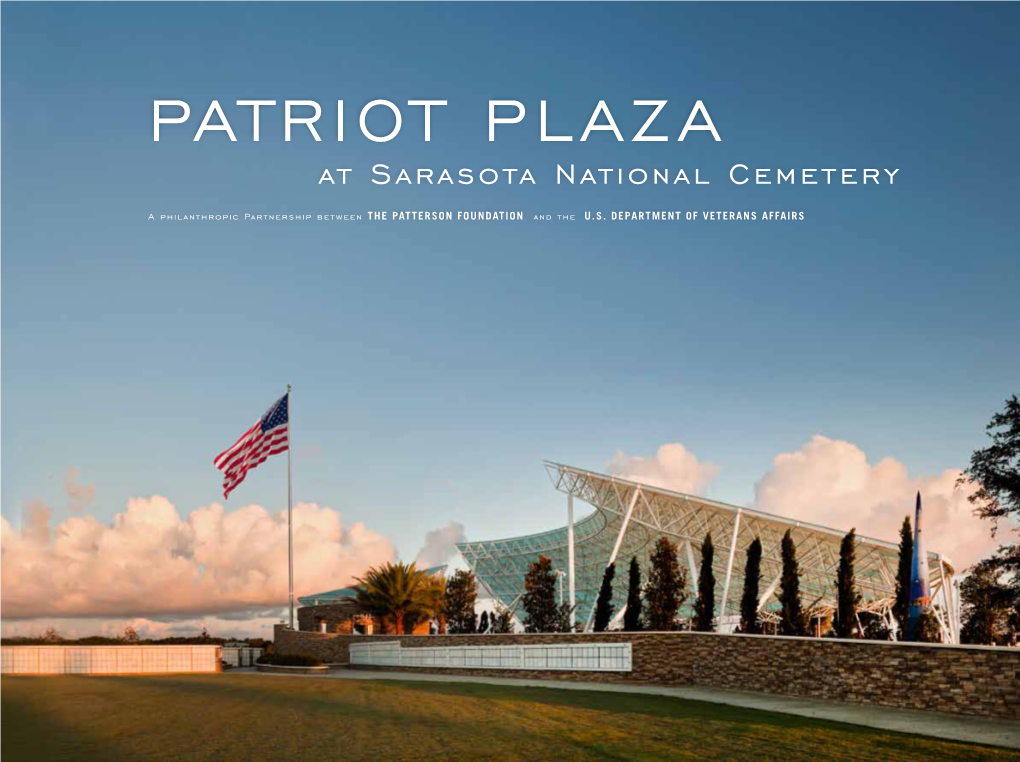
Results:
x,y
290,509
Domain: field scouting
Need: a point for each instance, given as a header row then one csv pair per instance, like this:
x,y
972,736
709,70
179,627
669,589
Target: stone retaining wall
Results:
x,y
285,670
957,679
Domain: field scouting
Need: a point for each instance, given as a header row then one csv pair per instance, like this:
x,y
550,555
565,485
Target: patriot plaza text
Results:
x,y
307,116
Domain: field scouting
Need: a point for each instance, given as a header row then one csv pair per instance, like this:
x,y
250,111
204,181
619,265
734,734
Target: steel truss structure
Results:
x,y
628,519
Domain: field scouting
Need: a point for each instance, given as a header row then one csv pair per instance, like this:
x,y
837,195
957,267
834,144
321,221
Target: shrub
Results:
x,y
501,622
875,627
927,629
294,660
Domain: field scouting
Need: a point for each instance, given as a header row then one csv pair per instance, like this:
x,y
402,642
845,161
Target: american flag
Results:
x,y
267,437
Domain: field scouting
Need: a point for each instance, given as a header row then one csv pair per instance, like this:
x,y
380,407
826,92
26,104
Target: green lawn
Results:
x,y
242,717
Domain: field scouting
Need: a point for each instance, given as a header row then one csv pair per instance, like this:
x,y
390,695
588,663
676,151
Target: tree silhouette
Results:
x,y
995,470
987,606
749,600
632,616
704,606
792,620
459,603
901,605
501,622
847,596
666,588
604,603
539,600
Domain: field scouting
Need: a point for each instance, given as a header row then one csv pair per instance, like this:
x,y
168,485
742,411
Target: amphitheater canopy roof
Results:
x,y
649,512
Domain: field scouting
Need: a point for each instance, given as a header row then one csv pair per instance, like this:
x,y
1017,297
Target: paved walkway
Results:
x,y
949,727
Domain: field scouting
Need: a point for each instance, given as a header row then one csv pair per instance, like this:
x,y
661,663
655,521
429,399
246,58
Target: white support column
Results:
x,y
570,557
623,527
947,635
617,616
691,567
947,604
729,564
769,590
956,603
616,548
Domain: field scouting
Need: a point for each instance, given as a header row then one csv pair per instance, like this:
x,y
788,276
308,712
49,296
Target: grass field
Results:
x,y
242,717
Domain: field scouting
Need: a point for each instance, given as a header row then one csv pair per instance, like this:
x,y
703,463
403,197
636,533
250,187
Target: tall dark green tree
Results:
x,y
539,600
901,605
986,602
483,625
666,588
704,606
995,471
459,602
792,620
632,616
847,595
749,623
604,603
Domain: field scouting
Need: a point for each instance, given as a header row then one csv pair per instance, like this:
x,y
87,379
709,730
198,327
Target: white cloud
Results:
x,y
79,496
830,482
37,521
440,545
674,467
150,562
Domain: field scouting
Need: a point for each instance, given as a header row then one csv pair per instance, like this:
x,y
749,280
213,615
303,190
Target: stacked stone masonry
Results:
x,y
955,679
342,617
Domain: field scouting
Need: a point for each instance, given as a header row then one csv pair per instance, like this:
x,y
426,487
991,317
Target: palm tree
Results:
x,y
395,590
434,595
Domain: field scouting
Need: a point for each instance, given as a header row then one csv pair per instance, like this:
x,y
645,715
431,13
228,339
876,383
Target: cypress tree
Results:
x,y
604,603
539,600
704,607
483,626
792,619
901,606
749,601
847,596
666,588
632,616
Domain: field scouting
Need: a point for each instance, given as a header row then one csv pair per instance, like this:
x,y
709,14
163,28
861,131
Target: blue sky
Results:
x,y
436,365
